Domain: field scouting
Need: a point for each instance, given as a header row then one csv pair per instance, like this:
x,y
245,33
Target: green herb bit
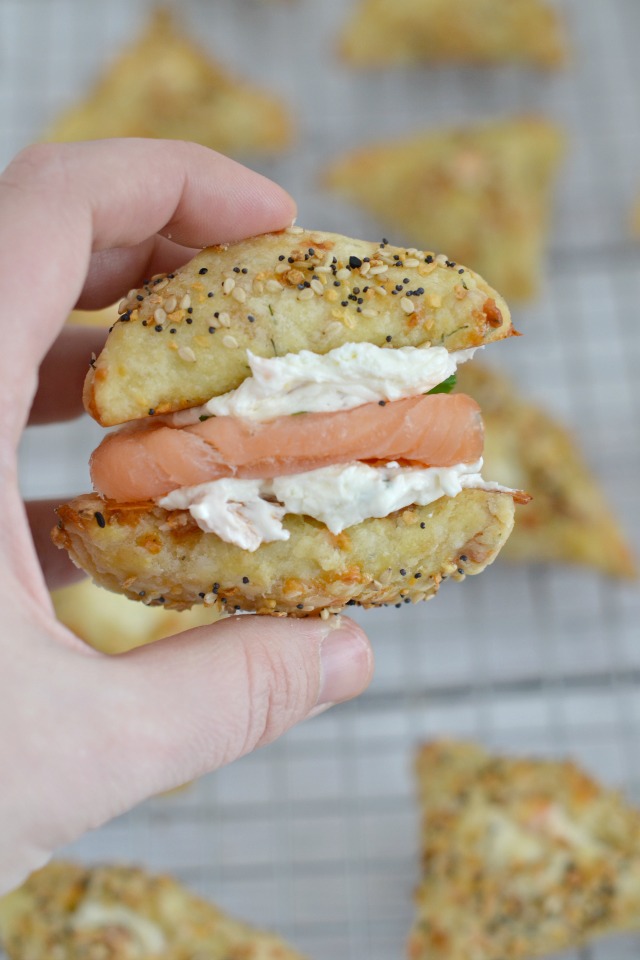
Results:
x,y
446,386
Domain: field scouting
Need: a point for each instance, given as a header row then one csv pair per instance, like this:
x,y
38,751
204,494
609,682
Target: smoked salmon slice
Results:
x,y
148,461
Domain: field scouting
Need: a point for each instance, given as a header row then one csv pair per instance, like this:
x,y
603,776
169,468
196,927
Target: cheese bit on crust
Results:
x,y
67,911
164,85
481,193
162,558
302,290
569,519
483,32
520,857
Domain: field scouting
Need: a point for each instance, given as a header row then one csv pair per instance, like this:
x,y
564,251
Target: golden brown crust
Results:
x,y
482,194
164,85
179,346
164,558
71,912
465,31
521,857
569,519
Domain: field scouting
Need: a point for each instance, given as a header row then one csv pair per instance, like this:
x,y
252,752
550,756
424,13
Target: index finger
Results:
x,y
61,202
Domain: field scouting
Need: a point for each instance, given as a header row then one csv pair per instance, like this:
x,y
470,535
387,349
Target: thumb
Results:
x,y
197,701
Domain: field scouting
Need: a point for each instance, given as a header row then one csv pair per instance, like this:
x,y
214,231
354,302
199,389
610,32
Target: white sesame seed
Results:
x,y
123,306
171,304
364,269
159,315
334,328
381,292
282,267
343,274
407,305
295,230
317,287
228,285
324,614
306,294
161,285
209,599
273,286
229,341
412,262
374,271
185,303
323,269
132,293
186,353
224,320
369,313
239,294
258,287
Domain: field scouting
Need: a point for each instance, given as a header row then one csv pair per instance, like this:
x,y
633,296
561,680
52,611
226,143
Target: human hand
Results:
x,y
85,737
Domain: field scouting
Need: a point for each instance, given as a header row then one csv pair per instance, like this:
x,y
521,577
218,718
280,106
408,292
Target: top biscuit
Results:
x,y
183,337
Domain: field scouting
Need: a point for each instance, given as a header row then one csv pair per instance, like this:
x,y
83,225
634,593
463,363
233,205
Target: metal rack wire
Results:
x,y
316,835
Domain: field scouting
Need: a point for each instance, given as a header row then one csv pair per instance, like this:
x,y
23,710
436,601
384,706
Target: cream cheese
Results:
x,y
248,513
342,379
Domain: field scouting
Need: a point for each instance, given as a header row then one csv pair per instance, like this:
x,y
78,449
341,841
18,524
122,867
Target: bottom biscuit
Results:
x,y
163,558
70,912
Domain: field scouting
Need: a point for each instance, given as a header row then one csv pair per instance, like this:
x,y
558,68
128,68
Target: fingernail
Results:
x,y
346,661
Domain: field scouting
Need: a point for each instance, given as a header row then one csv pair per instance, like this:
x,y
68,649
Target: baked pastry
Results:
x,y
520,857
110,624
481,193
294,448
484,32
68,911
569,519
164,85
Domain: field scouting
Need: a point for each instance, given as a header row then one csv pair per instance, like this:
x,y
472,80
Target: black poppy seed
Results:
x,y
394,293
216,314
290,260
210,294
312,252
366,259
461,270
236,269
125,316
244,270
423,525
355,262
337,283
384,242
461,571
344,303
364,289
419,291
398,286
281,257
142,593
403,572
212,329
406,280
407,600
428,259
301,286
161,600
397,606
299,606
215,588
245,579
356,289
144,323
358,309
389,338
140,297
170,276
172,330
189,319
306,284
417,575
236,608
202,271
396,256
189,309
202,595
251,318
382,403
100,520
351,603
158,328
464,558
151,411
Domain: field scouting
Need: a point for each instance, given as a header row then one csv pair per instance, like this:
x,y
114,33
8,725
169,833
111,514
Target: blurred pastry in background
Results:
x,y
568,519
485,32
480,193
69,911
520,857
113,624
165,85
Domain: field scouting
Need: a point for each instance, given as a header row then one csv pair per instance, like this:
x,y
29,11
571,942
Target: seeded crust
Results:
x,y
482,194
37,920
163,558
521,857
482,32
164,85
569,519
178,346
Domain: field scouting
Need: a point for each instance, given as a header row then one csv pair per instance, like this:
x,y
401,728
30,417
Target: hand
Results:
x,y
85,737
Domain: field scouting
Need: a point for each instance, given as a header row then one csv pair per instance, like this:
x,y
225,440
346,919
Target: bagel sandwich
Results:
x,y
286,441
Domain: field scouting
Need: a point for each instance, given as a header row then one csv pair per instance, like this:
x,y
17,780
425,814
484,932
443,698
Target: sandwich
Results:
x,y
286,443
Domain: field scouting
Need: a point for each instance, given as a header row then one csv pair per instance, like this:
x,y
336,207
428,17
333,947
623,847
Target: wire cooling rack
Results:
x,y
317,835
